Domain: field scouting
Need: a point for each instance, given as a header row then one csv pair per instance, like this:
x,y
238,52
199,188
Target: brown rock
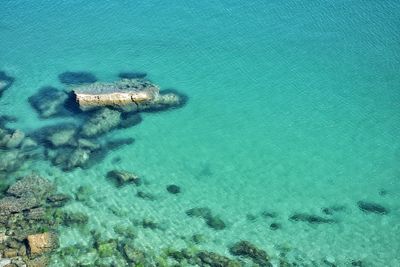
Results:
x,y
123,94
42,243
127,95
10,253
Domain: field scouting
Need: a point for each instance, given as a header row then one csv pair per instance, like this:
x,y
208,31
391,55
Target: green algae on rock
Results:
x,y
249,250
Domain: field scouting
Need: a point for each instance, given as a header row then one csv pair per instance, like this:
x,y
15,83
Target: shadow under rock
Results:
x,y
77,77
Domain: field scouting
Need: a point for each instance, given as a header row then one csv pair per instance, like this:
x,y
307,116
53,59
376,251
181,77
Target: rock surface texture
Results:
x,y
42,243
126,95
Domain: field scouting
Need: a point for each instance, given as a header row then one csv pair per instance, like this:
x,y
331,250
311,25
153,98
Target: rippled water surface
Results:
x,y
292,120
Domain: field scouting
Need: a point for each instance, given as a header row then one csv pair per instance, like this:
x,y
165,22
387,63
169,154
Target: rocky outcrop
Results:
x,y
127,95
5,81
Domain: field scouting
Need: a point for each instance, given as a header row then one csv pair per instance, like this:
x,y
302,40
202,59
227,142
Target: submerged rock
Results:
x,y
205,213
215,222
248,250
370,207
25,194
101,122
60,138
11,160
11,139
58,200
313,219
77,77
275,226
133,254
173,189
5,81
123,177
215,260
69,218
9,205
128,95
88,144
56,135
146,195
69,159
31,185
49,102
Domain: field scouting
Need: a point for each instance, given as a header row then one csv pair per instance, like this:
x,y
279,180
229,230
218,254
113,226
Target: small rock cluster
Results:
x,y
15,147
82,142
28,229
205,213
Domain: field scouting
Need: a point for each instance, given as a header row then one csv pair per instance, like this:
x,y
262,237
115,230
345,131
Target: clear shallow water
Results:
x,y
293,107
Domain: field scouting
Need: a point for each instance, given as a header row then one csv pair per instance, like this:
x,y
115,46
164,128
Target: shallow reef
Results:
x,y
28,226
82,142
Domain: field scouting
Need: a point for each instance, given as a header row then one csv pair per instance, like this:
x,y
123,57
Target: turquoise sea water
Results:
x,y
293,107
